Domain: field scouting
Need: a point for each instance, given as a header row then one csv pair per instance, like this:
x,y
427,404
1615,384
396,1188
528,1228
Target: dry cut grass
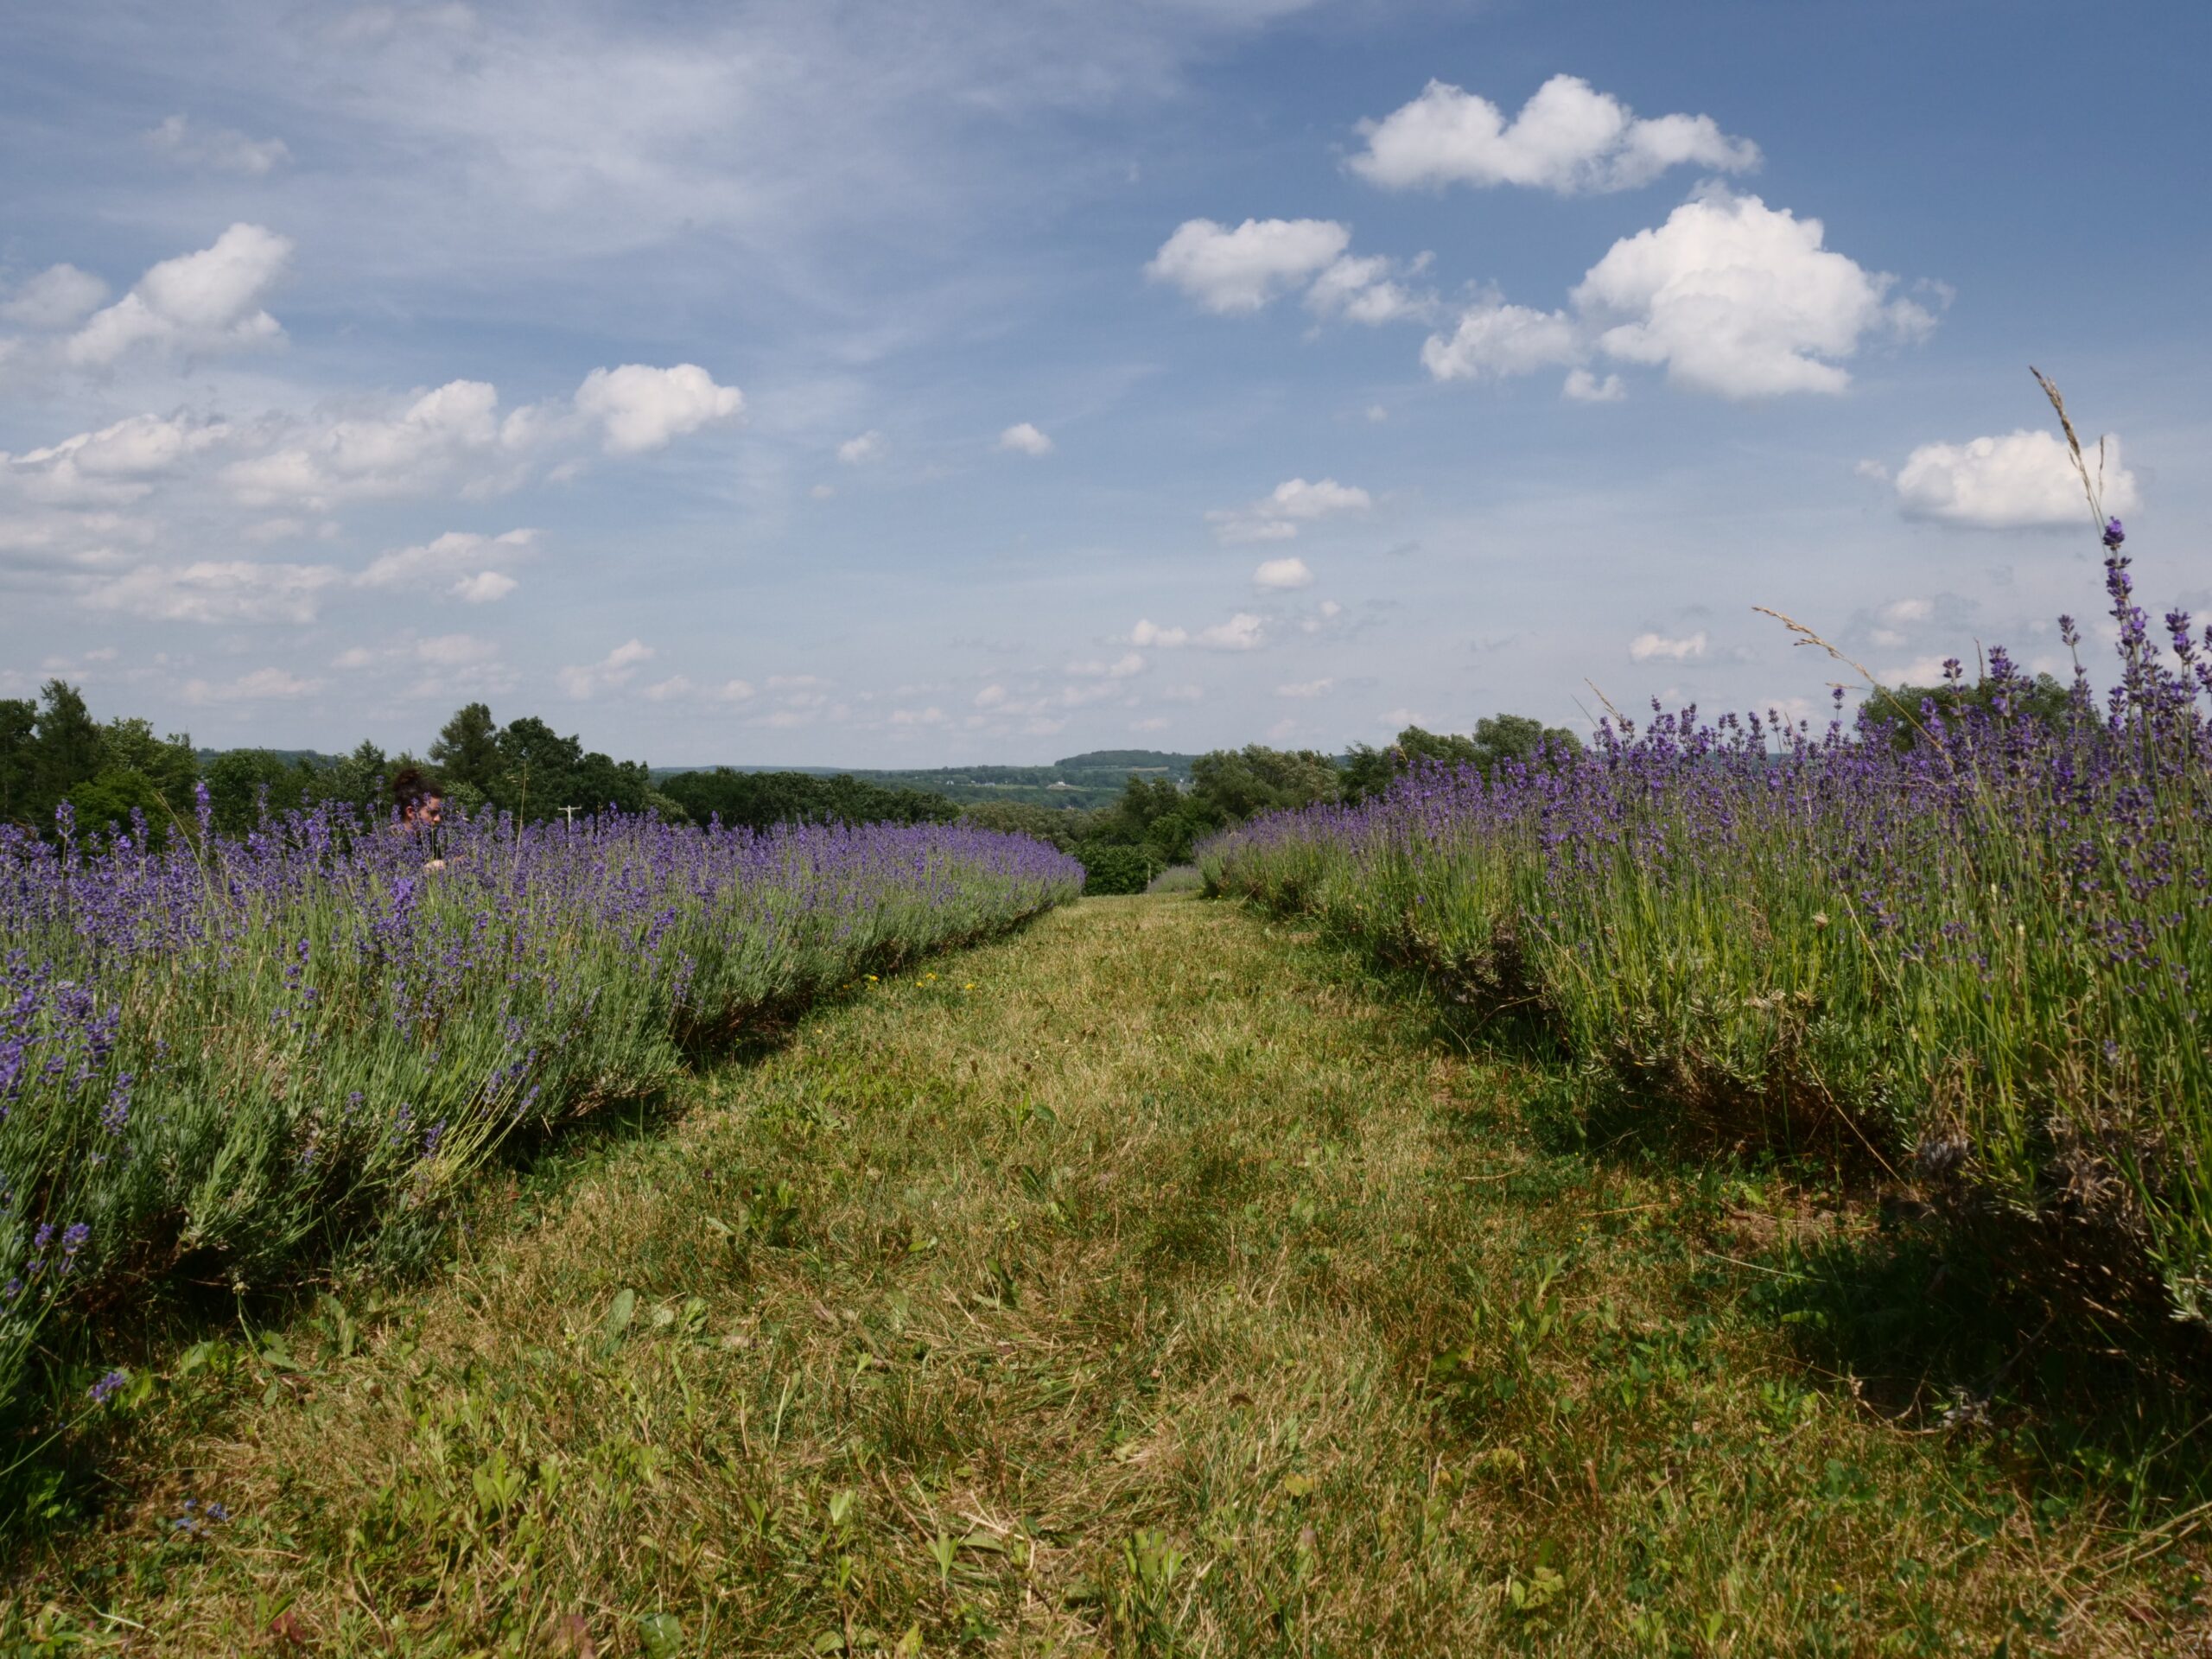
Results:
x,y
1141,1286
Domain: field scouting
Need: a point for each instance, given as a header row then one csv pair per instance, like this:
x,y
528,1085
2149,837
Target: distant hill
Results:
x,y
1129,761
1080,782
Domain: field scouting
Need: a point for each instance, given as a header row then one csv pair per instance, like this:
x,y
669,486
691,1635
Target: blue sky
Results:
x,y
852,385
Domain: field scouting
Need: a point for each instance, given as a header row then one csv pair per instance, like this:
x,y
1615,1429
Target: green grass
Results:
x,y
1148,1284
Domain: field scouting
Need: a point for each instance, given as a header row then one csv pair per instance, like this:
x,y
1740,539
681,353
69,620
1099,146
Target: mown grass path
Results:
x,y
1143,1284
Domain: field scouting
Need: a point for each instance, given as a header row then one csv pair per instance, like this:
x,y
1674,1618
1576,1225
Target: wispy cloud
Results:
x,y
619,667
1278,515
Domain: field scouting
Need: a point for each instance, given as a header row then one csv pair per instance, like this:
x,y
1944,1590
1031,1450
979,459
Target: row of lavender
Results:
x,y
1977,948
222,1063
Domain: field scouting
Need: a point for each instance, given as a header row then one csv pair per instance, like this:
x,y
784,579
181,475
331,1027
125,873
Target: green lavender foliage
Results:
x,y
1977,961
231,1061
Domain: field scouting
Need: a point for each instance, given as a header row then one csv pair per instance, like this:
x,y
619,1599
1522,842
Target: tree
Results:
x,y
68,751
238,780
1235,784
358,780
535,764
170,763
1056,826
104,804
756,799
1498,740
1894,714
467,748
1153,814
538,771
18,758
601,783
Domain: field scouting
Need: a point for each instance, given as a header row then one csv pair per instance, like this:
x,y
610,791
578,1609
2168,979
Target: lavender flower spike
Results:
x,y
2115,533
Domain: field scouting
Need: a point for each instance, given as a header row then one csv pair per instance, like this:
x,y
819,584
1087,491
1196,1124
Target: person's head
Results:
x,y
417,798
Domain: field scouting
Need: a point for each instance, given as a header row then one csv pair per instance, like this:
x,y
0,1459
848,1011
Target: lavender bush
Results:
x,y
1981,958
224,1060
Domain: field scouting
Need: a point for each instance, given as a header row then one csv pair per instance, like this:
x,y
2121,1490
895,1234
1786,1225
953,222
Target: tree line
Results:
x,y
1154,825
53,751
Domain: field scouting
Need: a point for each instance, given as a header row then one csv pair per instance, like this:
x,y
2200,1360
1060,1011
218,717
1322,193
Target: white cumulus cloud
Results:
x,y
205,302
263,685
855,452
1024,439
1304,688
1583,387
2023,479
1282,573
1122,668
458,564
113,465
457,435
1568,137
1729,296
640,408
618,667
1240,271
218,590
324,460
1740,299
680,688
1495,339
1276,515
1646,647
1366,289
57,298
1243,631
483,587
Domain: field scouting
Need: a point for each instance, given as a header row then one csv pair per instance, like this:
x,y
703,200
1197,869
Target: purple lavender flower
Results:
x,y
104,1391
479,1000
2115,533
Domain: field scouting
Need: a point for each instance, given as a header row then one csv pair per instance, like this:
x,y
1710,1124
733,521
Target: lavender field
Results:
x,y
229,1063
1970,951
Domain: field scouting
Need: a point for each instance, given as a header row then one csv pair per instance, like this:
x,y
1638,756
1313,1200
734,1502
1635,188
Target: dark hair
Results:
x,y
409,789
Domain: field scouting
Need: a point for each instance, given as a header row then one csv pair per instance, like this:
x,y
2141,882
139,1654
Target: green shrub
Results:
x,y
1110,870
